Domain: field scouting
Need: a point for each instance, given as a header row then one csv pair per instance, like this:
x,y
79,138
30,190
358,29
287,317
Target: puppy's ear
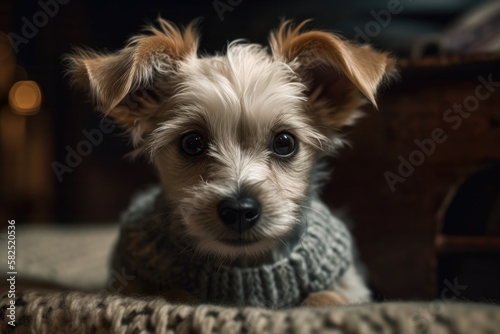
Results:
x,y
130,85
338,73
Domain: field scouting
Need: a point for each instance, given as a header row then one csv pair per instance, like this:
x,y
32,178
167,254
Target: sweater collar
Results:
x,y
314,263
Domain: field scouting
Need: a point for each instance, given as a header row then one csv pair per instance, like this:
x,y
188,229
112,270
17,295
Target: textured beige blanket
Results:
x,y
77,259
94,313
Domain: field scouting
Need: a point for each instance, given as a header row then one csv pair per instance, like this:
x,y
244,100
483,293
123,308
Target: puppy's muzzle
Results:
x,y
239,214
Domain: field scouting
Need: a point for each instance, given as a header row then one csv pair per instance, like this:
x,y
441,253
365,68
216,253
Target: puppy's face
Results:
x,y
236,151
235,137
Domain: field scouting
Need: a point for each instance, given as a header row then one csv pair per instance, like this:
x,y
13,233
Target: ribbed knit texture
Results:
x,y
86,313
314,264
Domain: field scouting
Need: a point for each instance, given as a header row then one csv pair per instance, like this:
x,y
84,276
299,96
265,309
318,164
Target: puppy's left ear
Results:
x,y
337,73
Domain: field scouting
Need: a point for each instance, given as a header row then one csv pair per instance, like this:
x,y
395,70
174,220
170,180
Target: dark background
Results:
x,y
396,230
95,190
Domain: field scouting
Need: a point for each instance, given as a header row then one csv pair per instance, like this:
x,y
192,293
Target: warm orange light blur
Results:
x,y
25,98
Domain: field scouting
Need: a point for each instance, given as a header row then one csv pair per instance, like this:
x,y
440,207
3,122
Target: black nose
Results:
x,y
239,214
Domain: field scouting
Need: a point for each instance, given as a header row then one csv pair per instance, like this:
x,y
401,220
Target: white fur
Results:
x,y
353,287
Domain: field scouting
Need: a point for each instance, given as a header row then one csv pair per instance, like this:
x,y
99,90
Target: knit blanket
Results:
x,y
77,312
76,258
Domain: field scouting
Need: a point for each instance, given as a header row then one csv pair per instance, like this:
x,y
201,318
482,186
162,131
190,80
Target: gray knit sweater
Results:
x,y
147,249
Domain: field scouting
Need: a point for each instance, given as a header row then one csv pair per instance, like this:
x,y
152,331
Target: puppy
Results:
x,y
238,140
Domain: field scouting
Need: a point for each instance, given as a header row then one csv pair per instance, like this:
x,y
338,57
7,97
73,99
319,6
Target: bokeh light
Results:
x,y
25,98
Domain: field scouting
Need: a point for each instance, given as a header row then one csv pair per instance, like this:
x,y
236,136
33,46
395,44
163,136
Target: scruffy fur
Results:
x,y
309,84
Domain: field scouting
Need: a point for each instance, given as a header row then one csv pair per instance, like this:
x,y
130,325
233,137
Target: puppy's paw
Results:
x,y
324,298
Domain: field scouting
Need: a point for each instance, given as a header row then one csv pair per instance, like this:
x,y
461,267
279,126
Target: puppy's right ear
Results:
x,y
129,85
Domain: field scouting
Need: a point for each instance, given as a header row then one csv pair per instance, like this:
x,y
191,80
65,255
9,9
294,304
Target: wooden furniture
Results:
x,y
399,232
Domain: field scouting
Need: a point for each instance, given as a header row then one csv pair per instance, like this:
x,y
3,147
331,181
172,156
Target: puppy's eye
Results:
x,y
284,144
192,144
